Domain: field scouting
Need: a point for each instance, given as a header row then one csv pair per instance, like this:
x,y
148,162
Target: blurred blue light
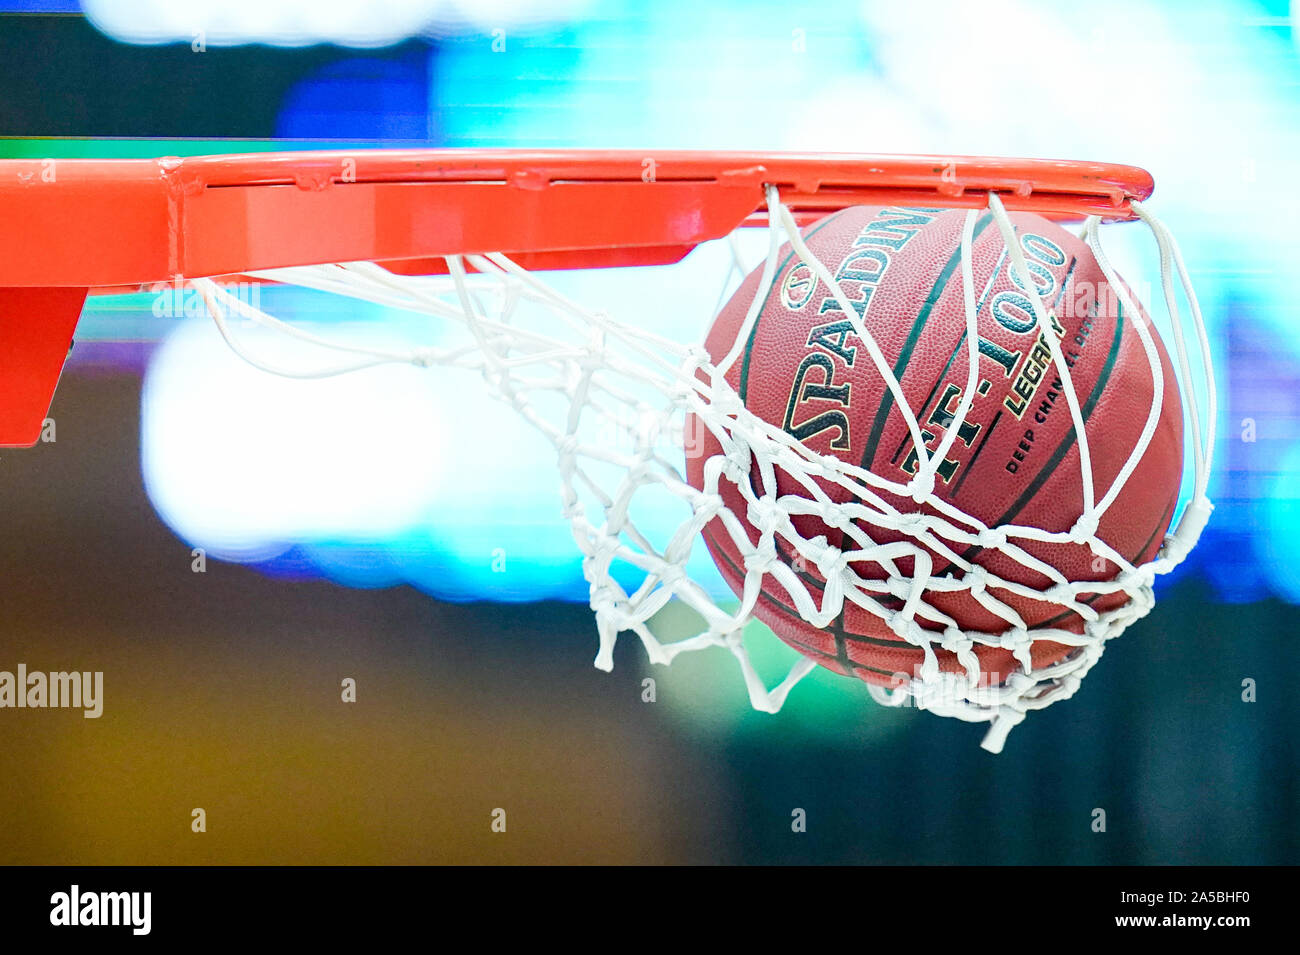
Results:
x,y
362,98
848,76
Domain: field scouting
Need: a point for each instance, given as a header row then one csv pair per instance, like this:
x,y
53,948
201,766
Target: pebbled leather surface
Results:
x,y
1016,469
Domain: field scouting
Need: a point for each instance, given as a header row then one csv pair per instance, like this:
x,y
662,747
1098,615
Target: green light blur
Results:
x,y
55,147
706,690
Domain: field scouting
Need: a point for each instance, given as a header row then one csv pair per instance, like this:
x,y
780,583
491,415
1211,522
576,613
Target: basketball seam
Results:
x,y
743,386
905,355
1067,442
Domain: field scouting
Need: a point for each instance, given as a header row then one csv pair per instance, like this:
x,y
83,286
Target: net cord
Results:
x,y
647,389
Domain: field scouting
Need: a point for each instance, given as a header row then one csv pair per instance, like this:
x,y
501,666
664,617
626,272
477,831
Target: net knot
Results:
x,y
913,633
681,390
708,505
694,357
724,402
921,486
603,550
1063,595
1016,639
1084,528
671,575
836,518
424,358
567,445
1021,646
955,640
993,538
914,524
605,603
593,356
951,635
637,473
737,464
765,515
830,463
830,561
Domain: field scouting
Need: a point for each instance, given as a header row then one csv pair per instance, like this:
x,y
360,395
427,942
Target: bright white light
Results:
x,y
245,463
389,475
303,22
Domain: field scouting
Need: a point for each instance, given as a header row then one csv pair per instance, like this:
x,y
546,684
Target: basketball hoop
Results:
x,y
460,236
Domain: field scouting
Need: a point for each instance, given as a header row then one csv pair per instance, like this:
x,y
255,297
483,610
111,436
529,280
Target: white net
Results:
x,y
615,399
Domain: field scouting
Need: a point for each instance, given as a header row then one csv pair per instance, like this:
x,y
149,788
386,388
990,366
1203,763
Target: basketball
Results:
x,y
1015,459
